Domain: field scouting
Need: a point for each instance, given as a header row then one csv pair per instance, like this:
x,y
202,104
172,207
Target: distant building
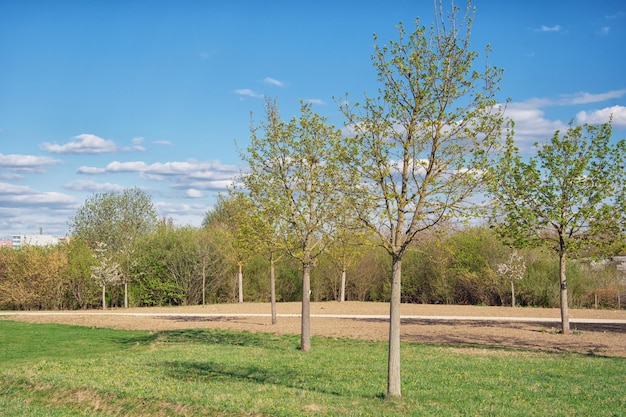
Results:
x,y
6,243
33,240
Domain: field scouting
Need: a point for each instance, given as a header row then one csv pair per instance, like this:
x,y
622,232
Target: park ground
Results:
x,y
594,332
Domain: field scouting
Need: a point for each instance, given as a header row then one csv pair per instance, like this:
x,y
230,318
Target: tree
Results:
x,y
513,270
264,232
211,264
117,220
106,271
178,265
80,259
349,243
294,173
233,217
568,198
183,259
423,142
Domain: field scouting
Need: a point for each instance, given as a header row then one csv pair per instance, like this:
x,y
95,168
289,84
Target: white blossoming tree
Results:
x,y
106,271
513,270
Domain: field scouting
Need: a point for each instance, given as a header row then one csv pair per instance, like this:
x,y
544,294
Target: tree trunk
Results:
x,y
125,294
273,289
104,300
393,370
342,297
240,281
564,302
305,330
512,293
203,283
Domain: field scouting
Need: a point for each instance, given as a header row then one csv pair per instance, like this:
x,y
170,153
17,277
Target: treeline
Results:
x,y
182,266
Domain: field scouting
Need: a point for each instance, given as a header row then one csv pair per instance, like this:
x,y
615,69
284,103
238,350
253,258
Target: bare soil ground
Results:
x,y
461,326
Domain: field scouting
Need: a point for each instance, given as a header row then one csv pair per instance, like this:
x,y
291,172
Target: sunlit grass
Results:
x,y
84,371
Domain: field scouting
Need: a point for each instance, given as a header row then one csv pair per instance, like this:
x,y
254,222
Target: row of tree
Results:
x,y
412,160
419,155
189,266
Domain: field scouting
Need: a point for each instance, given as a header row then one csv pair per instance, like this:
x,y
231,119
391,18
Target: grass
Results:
x,y
57,370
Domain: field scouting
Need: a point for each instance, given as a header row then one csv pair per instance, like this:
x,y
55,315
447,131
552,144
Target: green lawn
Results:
x,y
56,370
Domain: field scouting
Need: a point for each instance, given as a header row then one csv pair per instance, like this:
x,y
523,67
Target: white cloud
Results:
x,y
87,143
273,81
11,177
137,144
197,175
603,115
605,30
193,193
248,92
586,98
134,166
184,214
93,186
17,195
572,99
315,101
200,168
544,28
90,170
26,163
163,142
215,185
531,124
20,220
82,144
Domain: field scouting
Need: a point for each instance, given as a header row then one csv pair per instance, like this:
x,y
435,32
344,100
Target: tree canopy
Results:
x,y
114,218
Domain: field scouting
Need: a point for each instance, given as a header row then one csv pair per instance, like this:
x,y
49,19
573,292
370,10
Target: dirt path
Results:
x,y
598,332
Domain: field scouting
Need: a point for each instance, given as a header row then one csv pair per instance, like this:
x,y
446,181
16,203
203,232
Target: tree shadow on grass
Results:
x,y
285,374
208,371
225,337
136,340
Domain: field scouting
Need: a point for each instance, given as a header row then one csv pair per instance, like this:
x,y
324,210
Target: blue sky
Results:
x,y
99,96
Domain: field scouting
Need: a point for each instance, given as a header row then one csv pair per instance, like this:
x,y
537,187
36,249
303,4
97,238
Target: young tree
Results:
x,y
117,220
423,142
349,244
106,271
294,173
513,270
266,233
232,216
568,198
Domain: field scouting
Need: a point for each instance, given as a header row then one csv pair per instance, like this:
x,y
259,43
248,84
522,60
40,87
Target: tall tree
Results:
x,y
423,142
294,172
568,198
117,220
